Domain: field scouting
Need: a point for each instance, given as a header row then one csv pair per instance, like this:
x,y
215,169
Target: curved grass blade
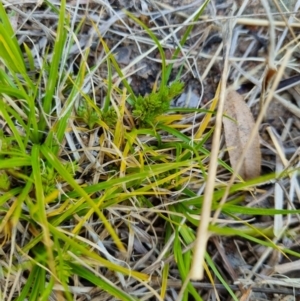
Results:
x,y
54,67
102,283
81,192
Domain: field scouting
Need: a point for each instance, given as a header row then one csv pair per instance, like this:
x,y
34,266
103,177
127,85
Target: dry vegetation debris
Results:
x,y
260,39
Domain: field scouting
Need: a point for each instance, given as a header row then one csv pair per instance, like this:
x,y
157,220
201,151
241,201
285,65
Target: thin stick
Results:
x,y
255,22
197,271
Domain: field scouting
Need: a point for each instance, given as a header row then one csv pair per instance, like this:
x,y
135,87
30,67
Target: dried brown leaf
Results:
x,y
237,130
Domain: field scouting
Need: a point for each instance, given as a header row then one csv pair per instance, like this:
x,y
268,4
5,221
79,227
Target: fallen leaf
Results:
x,y
237,130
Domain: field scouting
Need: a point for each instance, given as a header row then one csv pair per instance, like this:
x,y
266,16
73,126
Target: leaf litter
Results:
x,y
238,124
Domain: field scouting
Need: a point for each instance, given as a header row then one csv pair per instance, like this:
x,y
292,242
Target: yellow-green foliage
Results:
x,y
110,117
147,108
51,178
4,181
89,116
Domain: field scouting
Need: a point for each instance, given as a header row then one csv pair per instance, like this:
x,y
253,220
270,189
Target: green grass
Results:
x,y
60,230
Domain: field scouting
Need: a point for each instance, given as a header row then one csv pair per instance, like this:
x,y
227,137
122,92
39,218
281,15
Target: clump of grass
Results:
x,y
89,116
147,108
51,178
